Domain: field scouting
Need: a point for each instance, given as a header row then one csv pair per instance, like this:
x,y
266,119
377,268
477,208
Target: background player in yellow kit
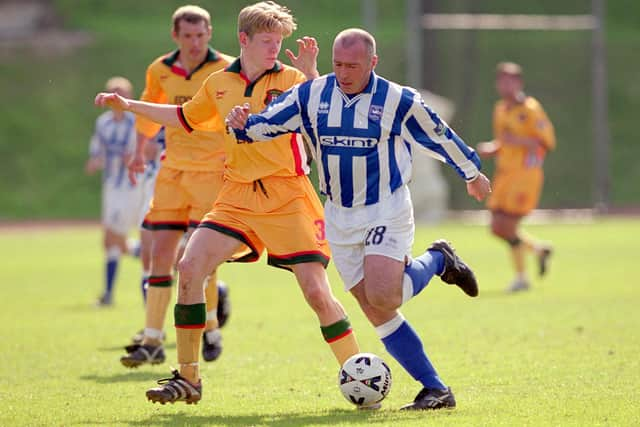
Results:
x,y
266,201
523,135
189,179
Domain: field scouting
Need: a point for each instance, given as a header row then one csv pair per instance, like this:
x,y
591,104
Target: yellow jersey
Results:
x,y
283,156
168,83
526,119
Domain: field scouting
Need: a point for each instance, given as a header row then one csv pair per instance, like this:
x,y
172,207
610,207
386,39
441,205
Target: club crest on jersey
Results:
x,y
375,113
181,99
271,95
439,129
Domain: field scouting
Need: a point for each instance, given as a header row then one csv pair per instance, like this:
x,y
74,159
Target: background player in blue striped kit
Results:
x,y
123,203
362,128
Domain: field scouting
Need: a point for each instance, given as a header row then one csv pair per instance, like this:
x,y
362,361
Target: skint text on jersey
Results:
x,y
348,141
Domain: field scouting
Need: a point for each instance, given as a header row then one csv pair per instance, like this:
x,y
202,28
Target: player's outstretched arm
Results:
x,y
479,187
163,114
487,149
307,58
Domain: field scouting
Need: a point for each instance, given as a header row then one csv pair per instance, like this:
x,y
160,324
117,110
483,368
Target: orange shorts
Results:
x,y
181,198
517,192
281,214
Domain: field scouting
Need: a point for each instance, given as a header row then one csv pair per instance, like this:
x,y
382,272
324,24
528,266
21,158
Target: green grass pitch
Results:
x,y
566,353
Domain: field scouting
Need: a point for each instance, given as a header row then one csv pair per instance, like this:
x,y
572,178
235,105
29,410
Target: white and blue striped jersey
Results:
x,y
363,143
153,165
113,141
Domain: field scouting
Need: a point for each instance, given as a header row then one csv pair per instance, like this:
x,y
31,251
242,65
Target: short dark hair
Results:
x,y
190,13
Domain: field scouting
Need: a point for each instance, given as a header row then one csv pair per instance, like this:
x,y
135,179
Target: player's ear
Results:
x,y
374,61
243,38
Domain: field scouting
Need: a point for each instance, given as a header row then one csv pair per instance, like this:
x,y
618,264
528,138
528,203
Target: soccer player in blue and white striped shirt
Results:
x,y
362,129
123,202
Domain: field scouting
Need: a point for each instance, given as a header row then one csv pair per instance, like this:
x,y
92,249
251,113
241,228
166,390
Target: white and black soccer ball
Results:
x,y
364,379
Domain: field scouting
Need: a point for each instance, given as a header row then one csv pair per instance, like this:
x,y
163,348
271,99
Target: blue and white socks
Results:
x,y
419,272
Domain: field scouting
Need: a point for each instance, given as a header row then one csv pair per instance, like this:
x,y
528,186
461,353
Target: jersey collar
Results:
x,y
368,89
170,60
236,67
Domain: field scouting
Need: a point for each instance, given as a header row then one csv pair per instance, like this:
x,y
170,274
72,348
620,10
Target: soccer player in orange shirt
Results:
x,y
188,182
523,135
266,201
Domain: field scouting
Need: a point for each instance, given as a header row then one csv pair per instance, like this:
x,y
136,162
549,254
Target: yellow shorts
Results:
x,y
516,193
181,198
281,214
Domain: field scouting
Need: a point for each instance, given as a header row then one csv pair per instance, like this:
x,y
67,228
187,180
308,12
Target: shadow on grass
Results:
x,y
343,416
126,376
498,293
121,347
329,417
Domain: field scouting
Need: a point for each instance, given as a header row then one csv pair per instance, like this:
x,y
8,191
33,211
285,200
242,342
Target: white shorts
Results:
x,y
121,208
146,190
385,228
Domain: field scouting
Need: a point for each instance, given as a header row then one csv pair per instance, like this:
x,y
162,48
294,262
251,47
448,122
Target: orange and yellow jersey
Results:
x,y
526,119
168,83
206,111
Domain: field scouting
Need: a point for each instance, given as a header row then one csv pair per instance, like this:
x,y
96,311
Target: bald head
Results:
x,y
354,58
353,36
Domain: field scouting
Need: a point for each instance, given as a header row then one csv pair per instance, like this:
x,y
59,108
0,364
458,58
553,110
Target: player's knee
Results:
x,y
318,297
383,301
186,269
501,231
497,230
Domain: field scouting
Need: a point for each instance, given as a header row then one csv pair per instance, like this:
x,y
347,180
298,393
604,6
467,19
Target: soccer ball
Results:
x,y
364,379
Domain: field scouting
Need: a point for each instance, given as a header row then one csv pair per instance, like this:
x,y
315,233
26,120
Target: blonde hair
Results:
x,y
266,16
190,13
509,68
350,36
117,82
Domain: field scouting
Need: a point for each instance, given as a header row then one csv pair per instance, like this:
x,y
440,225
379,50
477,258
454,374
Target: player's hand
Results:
x,y
238,116
136,166
307,58
487,149
92,165
479,188
111,100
